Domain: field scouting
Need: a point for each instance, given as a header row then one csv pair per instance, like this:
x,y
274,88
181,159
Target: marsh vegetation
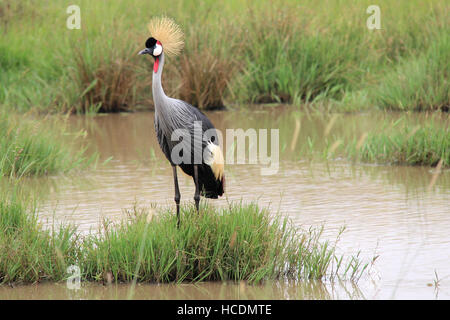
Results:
x,y
242,242
321,54
353,95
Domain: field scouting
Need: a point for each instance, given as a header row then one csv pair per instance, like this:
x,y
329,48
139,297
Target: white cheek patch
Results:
x,y
158,50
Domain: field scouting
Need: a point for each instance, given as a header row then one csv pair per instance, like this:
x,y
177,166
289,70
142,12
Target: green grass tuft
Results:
x,y
242,242
267,51
30,147
27,252
418,83
403,143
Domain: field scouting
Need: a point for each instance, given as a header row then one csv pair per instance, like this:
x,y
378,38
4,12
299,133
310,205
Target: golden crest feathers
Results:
x,y
168,33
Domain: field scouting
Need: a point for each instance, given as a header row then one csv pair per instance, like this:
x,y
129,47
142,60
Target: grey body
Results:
x,y
172,114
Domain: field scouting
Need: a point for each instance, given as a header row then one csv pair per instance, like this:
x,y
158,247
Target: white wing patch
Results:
x,y
214,158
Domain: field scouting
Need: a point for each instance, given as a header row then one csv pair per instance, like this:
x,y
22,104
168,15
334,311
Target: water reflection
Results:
x,y
305,290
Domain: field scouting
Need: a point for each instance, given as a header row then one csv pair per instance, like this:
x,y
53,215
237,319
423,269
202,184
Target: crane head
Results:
x,y
163,31
152,47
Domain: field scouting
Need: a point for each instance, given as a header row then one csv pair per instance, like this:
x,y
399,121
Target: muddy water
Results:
x,y
391,212
200,291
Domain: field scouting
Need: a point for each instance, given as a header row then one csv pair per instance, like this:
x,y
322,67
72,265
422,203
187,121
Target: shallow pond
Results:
x,y
394,213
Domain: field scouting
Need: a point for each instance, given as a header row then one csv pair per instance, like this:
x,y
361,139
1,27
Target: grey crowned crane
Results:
x,y
195,148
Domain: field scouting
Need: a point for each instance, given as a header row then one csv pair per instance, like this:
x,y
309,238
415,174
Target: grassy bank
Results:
x,y
27,252
403,143
320,53
239,243
418,82
31,147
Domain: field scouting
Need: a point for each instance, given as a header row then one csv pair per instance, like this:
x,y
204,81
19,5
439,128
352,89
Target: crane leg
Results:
x,y
177,194
197,188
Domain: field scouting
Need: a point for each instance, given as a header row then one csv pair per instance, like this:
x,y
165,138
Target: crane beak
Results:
x,y
145,51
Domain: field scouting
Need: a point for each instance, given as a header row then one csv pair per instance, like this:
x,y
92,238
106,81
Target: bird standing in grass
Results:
x,y
186,136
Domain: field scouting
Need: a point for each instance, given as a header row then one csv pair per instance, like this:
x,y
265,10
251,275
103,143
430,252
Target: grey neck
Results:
x,y
158,93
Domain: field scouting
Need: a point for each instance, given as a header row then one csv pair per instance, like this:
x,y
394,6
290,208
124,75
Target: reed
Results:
x,y
405,143
417,83
103,75
288,60
320,53
30,147
206,68
28,253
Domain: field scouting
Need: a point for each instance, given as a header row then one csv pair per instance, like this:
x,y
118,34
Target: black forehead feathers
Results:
x,y
150,43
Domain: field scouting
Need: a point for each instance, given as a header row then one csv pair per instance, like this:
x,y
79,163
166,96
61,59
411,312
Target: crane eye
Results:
x,y
158,50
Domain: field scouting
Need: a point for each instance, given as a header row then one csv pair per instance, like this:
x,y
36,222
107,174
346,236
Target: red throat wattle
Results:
x,y
155,65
